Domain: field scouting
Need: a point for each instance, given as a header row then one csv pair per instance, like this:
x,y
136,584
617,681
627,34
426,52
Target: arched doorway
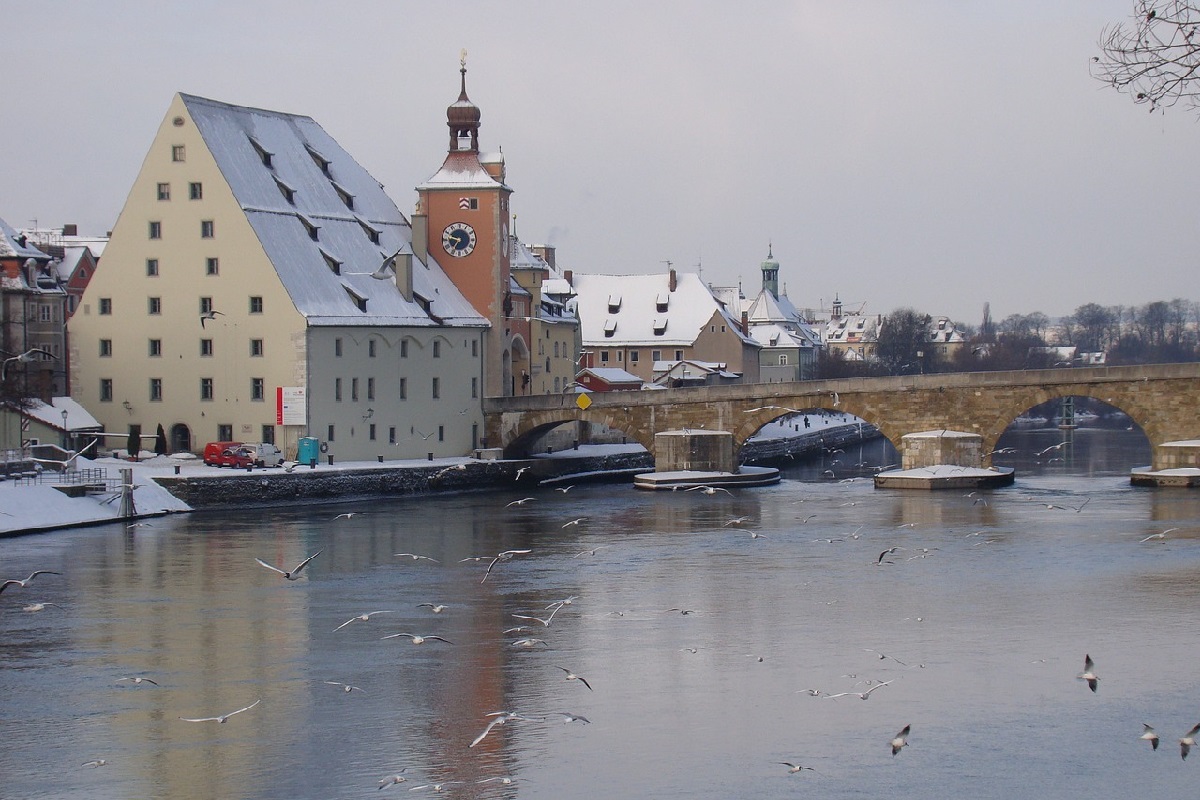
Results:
x,y
181,438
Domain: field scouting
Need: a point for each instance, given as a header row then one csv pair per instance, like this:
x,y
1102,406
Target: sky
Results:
x,y
934,155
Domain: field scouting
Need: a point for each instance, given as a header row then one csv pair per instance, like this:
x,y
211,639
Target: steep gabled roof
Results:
x,y
294,182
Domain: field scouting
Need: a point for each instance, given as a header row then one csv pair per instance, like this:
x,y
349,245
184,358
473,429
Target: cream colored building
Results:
x,y
255,260
555,339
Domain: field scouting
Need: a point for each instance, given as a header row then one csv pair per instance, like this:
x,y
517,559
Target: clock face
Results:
x,y
458,239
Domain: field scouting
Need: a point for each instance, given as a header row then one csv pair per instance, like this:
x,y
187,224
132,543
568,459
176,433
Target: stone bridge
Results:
x,y
1163,399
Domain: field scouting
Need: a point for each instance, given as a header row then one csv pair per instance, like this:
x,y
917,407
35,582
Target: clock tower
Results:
x,y
462,220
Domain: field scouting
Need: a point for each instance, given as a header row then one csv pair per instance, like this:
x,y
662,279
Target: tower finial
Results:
x,y
462,68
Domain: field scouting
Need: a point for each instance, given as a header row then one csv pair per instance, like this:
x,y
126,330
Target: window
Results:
x,y
156,348
603,356
404,388
441,433
391,435
206,305
258,389
437,349
206,388
212,266
206,229
195,191
106,390
256,305
155,230
206,348
633,356
354,389
555,348
404,348
45,313
469,204
371,432
337,389
337,348
152,267
156,390
783,359
437,389
268,434
105,306
154,305
474,387
164,191
679,355
177,153
329,431
224,433
370,348
256,348
656,355
106,348
370,389
474,347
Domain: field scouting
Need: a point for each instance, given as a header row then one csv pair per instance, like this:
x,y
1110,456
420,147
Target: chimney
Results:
x,y
672,280
70,229
570,276
403,268
420,235
745,323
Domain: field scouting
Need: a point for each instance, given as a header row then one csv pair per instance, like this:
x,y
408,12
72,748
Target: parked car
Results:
x,y
214,452
263,454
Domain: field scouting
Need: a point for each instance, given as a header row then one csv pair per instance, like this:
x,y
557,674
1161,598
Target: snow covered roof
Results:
x,y
777,335
642,309
51,415
853,328
324,222
12,246
461,170
612,374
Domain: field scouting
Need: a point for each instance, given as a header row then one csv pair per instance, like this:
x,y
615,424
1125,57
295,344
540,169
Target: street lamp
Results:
x,y
66,433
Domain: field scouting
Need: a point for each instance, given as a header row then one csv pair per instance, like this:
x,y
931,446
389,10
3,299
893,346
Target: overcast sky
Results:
x,y
937,155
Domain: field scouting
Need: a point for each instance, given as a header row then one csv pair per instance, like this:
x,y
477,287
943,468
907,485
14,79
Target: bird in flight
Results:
x,y
564,489
32,607
348,515
569,718
1188,741
520,502
504,555
709,489
900,740
361,618
223,717
415,557
1149,735
25,583
888,552
1050,448
521,471
97,762
393,780
591,552
294,574
734,521
345,686
571,676
859,695
1162,535
794,768
207,315
415,638
575,522
436,608
135,681
1089,673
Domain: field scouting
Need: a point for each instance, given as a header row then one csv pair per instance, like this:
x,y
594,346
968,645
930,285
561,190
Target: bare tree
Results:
x,y
1155,57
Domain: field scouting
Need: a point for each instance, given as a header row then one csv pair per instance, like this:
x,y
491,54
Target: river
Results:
x,y
699,621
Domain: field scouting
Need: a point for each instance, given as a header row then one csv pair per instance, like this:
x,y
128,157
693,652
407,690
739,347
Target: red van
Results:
x,y
223,454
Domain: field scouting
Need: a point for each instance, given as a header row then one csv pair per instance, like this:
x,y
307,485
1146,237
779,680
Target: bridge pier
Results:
x,y
692,458
1174,464
942,459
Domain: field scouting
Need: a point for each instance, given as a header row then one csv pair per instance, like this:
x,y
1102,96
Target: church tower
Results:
x,y
770,274
462,221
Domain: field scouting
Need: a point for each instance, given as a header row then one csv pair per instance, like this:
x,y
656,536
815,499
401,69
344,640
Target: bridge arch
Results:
x,y
517,440
757,418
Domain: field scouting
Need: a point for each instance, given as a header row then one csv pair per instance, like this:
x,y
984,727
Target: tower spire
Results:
x,y
462,116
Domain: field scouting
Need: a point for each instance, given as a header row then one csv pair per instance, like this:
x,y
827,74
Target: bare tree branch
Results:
x,y
1155,57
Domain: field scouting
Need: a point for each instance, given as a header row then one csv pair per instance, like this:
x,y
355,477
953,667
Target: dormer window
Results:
x,y
288,192
356,298
660,303
321,161
610,328
345,196
660,326
334,265
264,154
313,230
370,230
614,303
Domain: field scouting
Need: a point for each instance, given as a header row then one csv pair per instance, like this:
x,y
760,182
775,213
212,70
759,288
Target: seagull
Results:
x,y
882,656
575,522
564,489
25,583
569,718
529,642
290,466
900,740
415,639
294,574
1149,735
32,607
415,557
1189,739
437,787
888,552
1089,673
591,552
345,686
361,618
520,502
571,676
502,778
223,717
521,471
348,515
794,768
710,489
757,535
393,780
207,315
99,762
66,463
504,555
566,601
1076,509
1051,447
135,681
498,718
545,622
859,695
1162,535
734,521
436,608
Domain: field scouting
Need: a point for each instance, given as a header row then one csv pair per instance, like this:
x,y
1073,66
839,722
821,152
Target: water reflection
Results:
x,y
984,616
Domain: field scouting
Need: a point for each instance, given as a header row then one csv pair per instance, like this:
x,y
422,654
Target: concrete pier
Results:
x,y
943,459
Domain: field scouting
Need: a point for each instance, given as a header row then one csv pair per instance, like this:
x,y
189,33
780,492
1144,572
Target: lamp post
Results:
x,y
66,433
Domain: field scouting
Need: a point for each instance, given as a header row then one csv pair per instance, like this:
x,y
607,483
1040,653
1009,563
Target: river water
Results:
x,y
974,629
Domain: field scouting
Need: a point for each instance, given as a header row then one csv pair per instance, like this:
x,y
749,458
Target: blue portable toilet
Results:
x,y
308,450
